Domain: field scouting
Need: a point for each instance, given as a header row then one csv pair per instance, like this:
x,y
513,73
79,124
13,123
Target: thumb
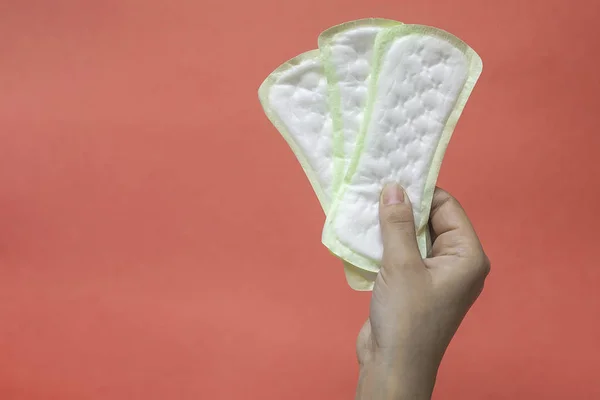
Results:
x,y
397,222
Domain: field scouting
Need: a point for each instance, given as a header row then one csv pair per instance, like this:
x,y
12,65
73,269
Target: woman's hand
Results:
x,y
417,305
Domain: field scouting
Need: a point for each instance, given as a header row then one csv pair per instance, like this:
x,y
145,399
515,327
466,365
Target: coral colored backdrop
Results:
x,y
159,241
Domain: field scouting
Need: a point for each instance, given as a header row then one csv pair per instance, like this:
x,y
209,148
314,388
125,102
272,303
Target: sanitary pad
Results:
x,y
422,79
347,56
377,103
294,97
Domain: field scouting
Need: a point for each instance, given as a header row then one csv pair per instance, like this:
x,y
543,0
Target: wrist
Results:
x,y
378,381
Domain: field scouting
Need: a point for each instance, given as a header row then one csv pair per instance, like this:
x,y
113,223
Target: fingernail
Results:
x,y
392,194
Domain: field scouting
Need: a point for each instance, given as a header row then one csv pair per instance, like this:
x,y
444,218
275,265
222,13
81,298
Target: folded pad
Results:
x,y
422,78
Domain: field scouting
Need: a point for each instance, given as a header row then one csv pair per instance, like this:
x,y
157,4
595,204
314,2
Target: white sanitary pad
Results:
x,y
378,103
422,80
347,56
294,97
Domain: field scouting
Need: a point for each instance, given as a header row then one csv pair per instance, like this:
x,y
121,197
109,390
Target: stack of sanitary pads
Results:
x,y
376,103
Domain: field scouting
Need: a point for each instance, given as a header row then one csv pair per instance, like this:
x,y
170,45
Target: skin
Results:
x,y
417,304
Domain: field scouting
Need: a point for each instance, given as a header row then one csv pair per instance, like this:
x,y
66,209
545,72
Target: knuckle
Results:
x,y
398,215
441,197
389,266
487,265
453,203
482,264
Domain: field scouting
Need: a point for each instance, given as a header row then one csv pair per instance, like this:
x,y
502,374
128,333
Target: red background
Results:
x,y
158,239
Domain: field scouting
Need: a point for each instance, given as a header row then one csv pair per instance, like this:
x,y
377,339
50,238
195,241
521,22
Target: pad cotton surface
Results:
x,y
347,55
294,98
422,79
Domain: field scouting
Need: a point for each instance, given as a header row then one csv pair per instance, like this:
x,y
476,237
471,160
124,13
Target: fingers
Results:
x,y
451,229
400,247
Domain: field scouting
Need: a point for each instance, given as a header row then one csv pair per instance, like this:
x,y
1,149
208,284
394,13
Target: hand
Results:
x,y
417,304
